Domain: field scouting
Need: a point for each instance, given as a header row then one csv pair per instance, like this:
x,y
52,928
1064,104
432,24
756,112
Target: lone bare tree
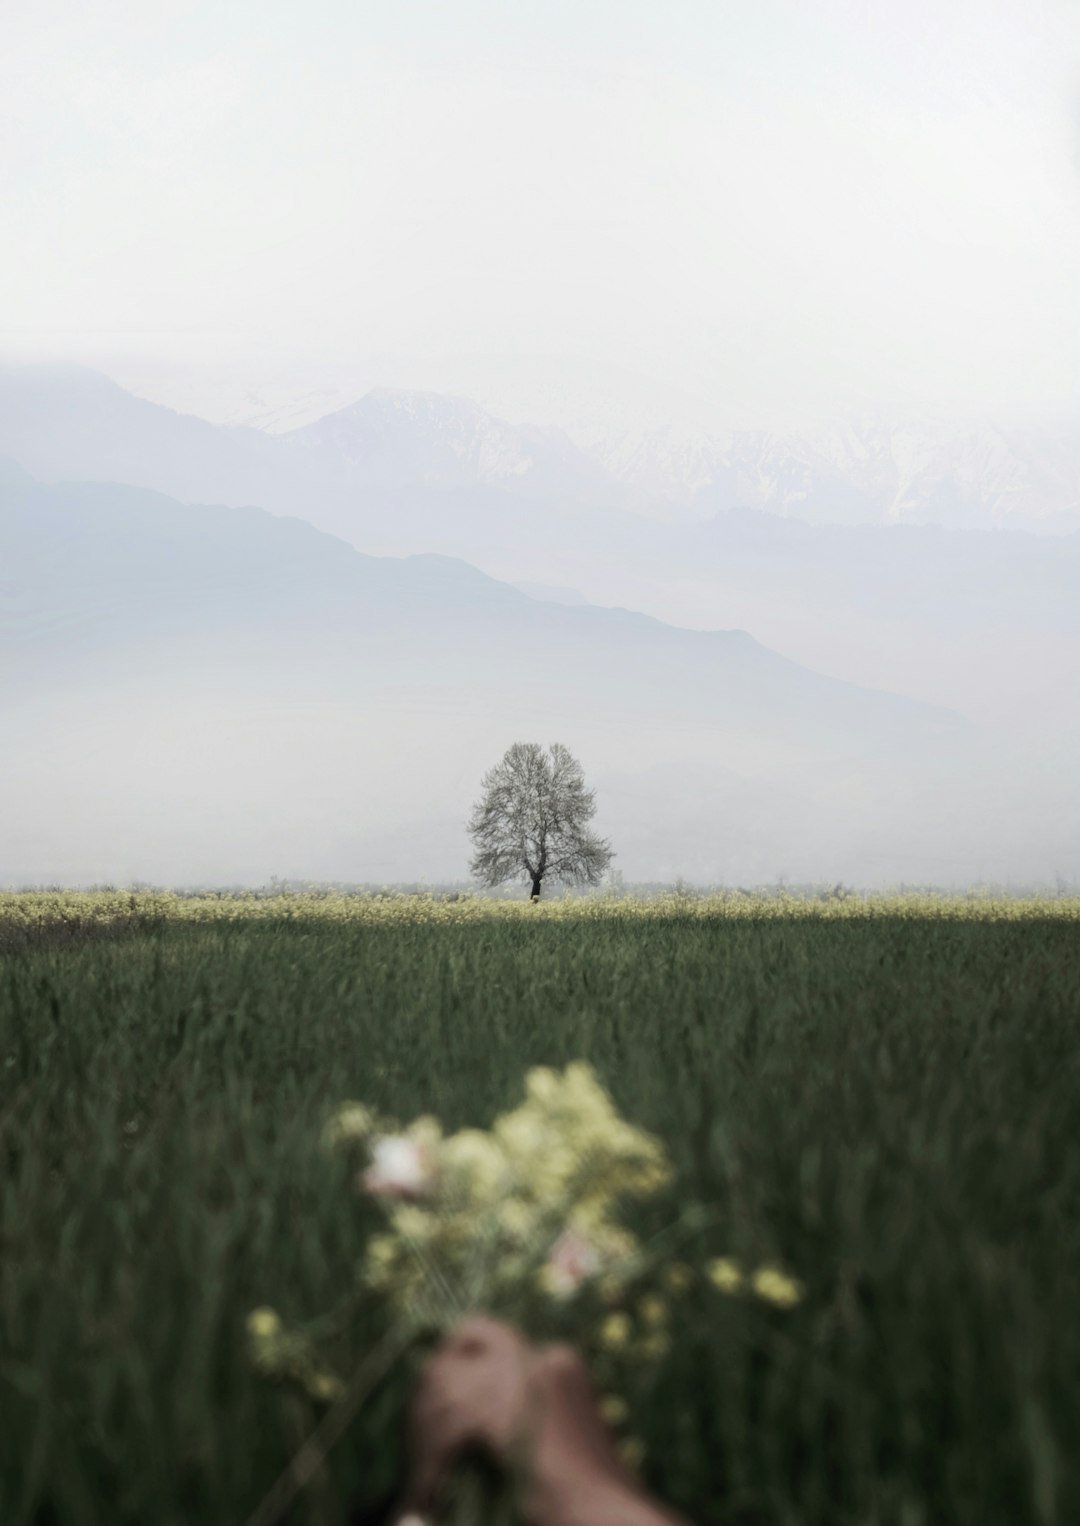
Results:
x,y
531,820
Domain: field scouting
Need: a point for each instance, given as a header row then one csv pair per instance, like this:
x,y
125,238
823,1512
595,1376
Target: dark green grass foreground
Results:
x,y
890,1108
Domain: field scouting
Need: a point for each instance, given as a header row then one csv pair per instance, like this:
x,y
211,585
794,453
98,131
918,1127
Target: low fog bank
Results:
x,y
201,696
154,789
218,696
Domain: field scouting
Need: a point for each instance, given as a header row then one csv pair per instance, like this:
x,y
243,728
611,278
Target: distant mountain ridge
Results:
x,y
66,422
975,475
89,562
982,621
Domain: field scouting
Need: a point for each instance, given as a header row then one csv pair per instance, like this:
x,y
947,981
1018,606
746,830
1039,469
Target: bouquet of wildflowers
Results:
x,y
481,1219
516,1220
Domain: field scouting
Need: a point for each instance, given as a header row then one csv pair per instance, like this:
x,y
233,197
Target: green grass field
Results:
x,y
882,1096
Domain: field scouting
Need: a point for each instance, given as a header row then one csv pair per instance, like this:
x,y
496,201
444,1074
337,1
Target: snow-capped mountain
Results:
x,y
980,475
395,438
419,447
746,529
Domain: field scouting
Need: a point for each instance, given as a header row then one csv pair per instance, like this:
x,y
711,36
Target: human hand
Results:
x,y
534,1411
473,1392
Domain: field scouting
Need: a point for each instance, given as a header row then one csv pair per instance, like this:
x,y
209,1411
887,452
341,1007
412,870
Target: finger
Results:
x,y
434,1439
470,1392
570,1399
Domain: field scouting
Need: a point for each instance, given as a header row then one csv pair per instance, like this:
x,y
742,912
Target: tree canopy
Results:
x,y
531,821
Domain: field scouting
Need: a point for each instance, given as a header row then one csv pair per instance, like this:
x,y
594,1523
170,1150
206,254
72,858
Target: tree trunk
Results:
x,y
535,888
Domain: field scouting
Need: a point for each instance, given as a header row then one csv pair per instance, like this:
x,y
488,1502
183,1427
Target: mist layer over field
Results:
x,y
201,695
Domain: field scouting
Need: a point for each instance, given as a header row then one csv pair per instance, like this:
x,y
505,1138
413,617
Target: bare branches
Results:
x,y
531,820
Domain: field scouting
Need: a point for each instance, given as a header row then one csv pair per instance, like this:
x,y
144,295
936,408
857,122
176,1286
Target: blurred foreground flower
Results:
x,y
615,1332
726,1274
400,1167
573,1260
768,1283
653,1310
776,1287
521,1221
279,1352
477,1218
353,1122
679,1277
264,1326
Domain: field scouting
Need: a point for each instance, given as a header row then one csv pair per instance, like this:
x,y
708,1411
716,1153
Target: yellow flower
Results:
x,y
776,1287
610,1288
520,1134
264,1324
271,1345
615,1331
425,1131
567,1139
474,1161
541,1083
382,1252
325,1387
679,1277
352,1121
726,1274
413,1223
614,1409
655,1346
515,1217
653,1310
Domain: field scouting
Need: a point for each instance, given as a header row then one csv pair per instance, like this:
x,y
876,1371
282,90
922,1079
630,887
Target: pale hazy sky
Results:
x,y
583,211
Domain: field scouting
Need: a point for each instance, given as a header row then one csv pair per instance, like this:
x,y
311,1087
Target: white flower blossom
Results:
x,y
400,1167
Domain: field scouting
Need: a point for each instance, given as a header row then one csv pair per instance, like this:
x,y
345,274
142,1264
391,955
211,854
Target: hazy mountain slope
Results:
x,y
976,621
61,422
395,473
94,568
210,693
64,422
984,622
547,593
